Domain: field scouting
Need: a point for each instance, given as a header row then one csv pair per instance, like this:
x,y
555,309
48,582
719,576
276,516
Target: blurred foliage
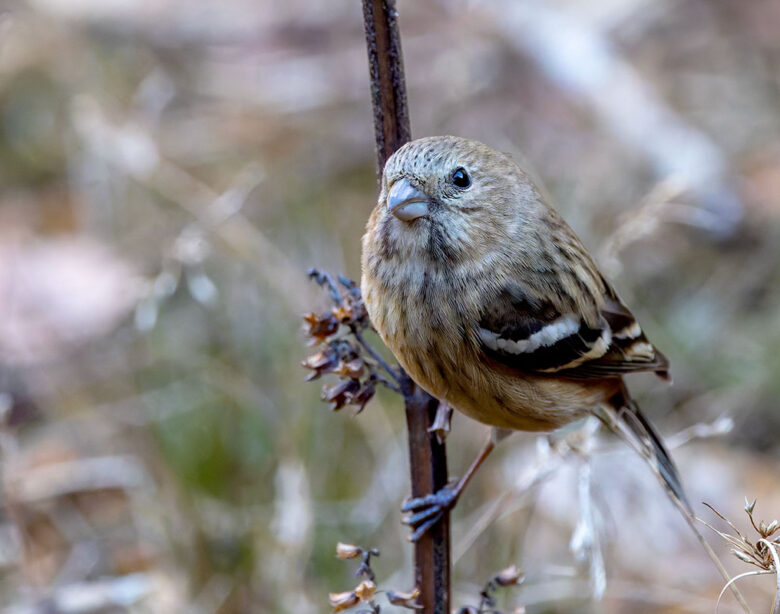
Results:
x,y
168,173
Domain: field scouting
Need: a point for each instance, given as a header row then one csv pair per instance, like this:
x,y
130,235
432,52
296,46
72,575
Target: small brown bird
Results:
x,y
491,303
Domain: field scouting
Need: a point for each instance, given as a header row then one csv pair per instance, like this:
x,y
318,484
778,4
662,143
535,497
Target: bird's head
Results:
x,y
445,198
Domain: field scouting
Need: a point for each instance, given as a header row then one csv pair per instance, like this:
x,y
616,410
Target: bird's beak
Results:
x,y
406,202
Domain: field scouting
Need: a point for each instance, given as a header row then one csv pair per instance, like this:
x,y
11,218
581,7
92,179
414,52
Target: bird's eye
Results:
x,y
460,178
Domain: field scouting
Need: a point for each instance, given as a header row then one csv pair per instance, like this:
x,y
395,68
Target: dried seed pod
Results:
x,y
343,601
509,576
405,600
340,394
324,361
343,313
348,551
366,590
363,396
353,368
320,327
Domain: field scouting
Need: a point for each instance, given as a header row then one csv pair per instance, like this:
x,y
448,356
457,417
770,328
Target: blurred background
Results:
x,y
169,170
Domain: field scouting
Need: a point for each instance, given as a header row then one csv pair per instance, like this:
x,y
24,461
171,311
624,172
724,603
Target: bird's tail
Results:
x,y
624,417
627,420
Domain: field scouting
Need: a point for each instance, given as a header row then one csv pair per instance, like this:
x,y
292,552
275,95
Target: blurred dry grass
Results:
x,y
169,170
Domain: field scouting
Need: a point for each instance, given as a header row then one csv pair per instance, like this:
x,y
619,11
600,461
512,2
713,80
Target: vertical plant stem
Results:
x,y
428,468
427,457
388,86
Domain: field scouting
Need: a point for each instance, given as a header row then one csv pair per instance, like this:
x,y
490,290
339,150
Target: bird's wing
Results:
x,y
531,336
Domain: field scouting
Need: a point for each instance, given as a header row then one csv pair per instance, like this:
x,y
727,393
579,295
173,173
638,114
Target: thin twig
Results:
x,y
387,383
376,356
323,278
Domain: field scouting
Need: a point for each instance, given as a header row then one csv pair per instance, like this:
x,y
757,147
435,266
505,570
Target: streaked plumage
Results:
x,y
490,301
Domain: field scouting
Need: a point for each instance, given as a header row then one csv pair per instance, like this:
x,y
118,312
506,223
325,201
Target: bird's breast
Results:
x,y
417,312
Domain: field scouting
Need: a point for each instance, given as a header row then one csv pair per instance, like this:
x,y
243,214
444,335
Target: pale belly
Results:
x,y
456,372
513,401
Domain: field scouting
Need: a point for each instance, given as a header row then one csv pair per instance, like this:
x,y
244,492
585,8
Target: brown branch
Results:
x,y
427,457
388,87
428,468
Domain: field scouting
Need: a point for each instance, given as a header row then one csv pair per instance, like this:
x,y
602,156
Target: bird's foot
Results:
x,y
428,510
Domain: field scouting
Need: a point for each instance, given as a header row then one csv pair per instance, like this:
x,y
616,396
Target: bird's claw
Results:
x,y
428,510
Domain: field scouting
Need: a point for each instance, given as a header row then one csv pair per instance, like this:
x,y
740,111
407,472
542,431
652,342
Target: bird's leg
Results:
x,y
428,510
